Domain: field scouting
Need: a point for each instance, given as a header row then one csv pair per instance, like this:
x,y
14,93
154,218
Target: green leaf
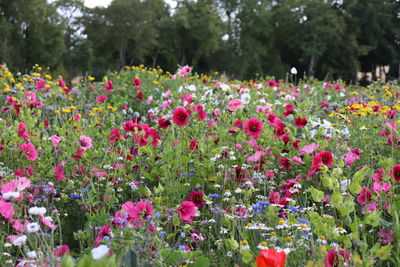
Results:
x,y
316,194
200,262
373,219
337,199
67,261
355,186
384,252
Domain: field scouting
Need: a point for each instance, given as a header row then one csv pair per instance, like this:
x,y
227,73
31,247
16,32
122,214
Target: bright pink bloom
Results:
x,y
61,83
138,212
29,151
47,222
300,122
115,135
104,231
197,198
149,100
109,86
101,99
59,172
336,258
235,104
385,237
180,117
352,156
137,83
56,140
253,127
6,210
61,250
289,109
40,84
308,149
187,211
85,142
365,196
193,145
22,132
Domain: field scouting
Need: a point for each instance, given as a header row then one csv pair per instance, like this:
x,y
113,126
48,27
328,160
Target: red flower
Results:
x,y
285,138
271,258
253,127
137,82
395,172
193,145
163,123
365,196
300,122
326,157
109,86
139,212
187,211
197,198
101,99
336,257
180,117
115,135
61,250
289,109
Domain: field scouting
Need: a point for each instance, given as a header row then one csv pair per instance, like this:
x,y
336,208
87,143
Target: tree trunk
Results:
x,y
311,65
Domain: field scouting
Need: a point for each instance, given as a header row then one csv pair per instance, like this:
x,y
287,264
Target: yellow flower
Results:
x,y
47,76
112,109
388,94
91,78
35,74
354,93
289,239
105,79
244,242
97,109
66,110
57,112
92,114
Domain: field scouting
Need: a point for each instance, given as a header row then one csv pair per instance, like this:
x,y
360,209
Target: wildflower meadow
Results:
x,y
150,168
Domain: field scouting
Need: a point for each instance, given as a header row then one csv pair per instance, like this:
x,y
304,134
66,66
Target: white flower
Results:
x,y
238,190
11,195
99,252
245,98
33,227
19,241
32,254
293,71
37,210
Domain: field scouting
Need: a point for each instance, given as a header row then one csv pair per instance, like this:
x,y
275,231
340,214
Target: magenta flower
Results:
x,y
365,196
235,104
336,258
253,127
137,83
139,212
29,151
187,211
180,117
395,172
59,172
101,99
6,210
300,122
85,142
197,198
56,140
385,237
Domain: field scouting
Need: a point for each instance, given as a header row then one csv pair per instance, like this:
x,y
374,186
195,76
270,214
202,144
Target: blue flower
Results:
x,y
302,221
183,234
214,195
106,238
263,202
75,196
158,214
293,209
163,233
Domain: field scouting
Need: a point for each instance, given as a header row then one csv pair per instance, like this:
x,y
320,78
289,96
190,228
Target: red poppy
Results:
x,y
180,117
300,122
253,127
271,258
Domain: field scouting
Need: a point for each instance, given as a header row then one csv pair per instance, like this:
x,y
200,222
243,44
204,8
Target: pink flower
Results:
x,y
85,142
137,83
185,70
139,212
109,86
289,109
253,127
395,172
61,250
6,210
297,160
29,151
385,237
59,172
56,140
149,100
235,104
187,211
180,117
22,132
40,84
115,135
308,149
336,257
193,145
350,157
101,99
104,231
163,123
365,196
46,221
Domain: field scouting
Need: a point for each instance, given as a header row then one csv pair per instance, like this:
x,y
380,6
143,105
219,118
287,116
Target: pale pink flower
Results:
x,y
56,140
85,142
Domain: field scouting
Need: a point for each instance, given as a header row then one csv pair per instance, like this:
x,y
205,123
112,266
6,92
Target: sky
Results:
x,y
104,3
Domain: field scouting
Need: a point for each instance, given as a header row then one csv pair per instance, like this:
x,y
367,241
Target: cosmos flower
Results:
x,y
253,127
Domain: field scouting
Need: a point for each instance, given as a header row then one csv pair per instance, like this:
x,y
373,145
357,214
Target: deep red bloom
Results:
x,y
285,138
336,257
300,122
289,109
395,172
253,127
197,198
163,123
137,82
193,145
180,117
271,258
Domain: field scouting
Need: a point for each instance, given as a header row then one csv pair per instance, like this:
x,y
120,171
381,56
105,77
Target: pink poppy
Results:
x,y
180,117
85,142
104,231
253,127
193,145
109,86
289,109
235,104
115,135
187,211
56,140
385,237
29,151
46,221
149,100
